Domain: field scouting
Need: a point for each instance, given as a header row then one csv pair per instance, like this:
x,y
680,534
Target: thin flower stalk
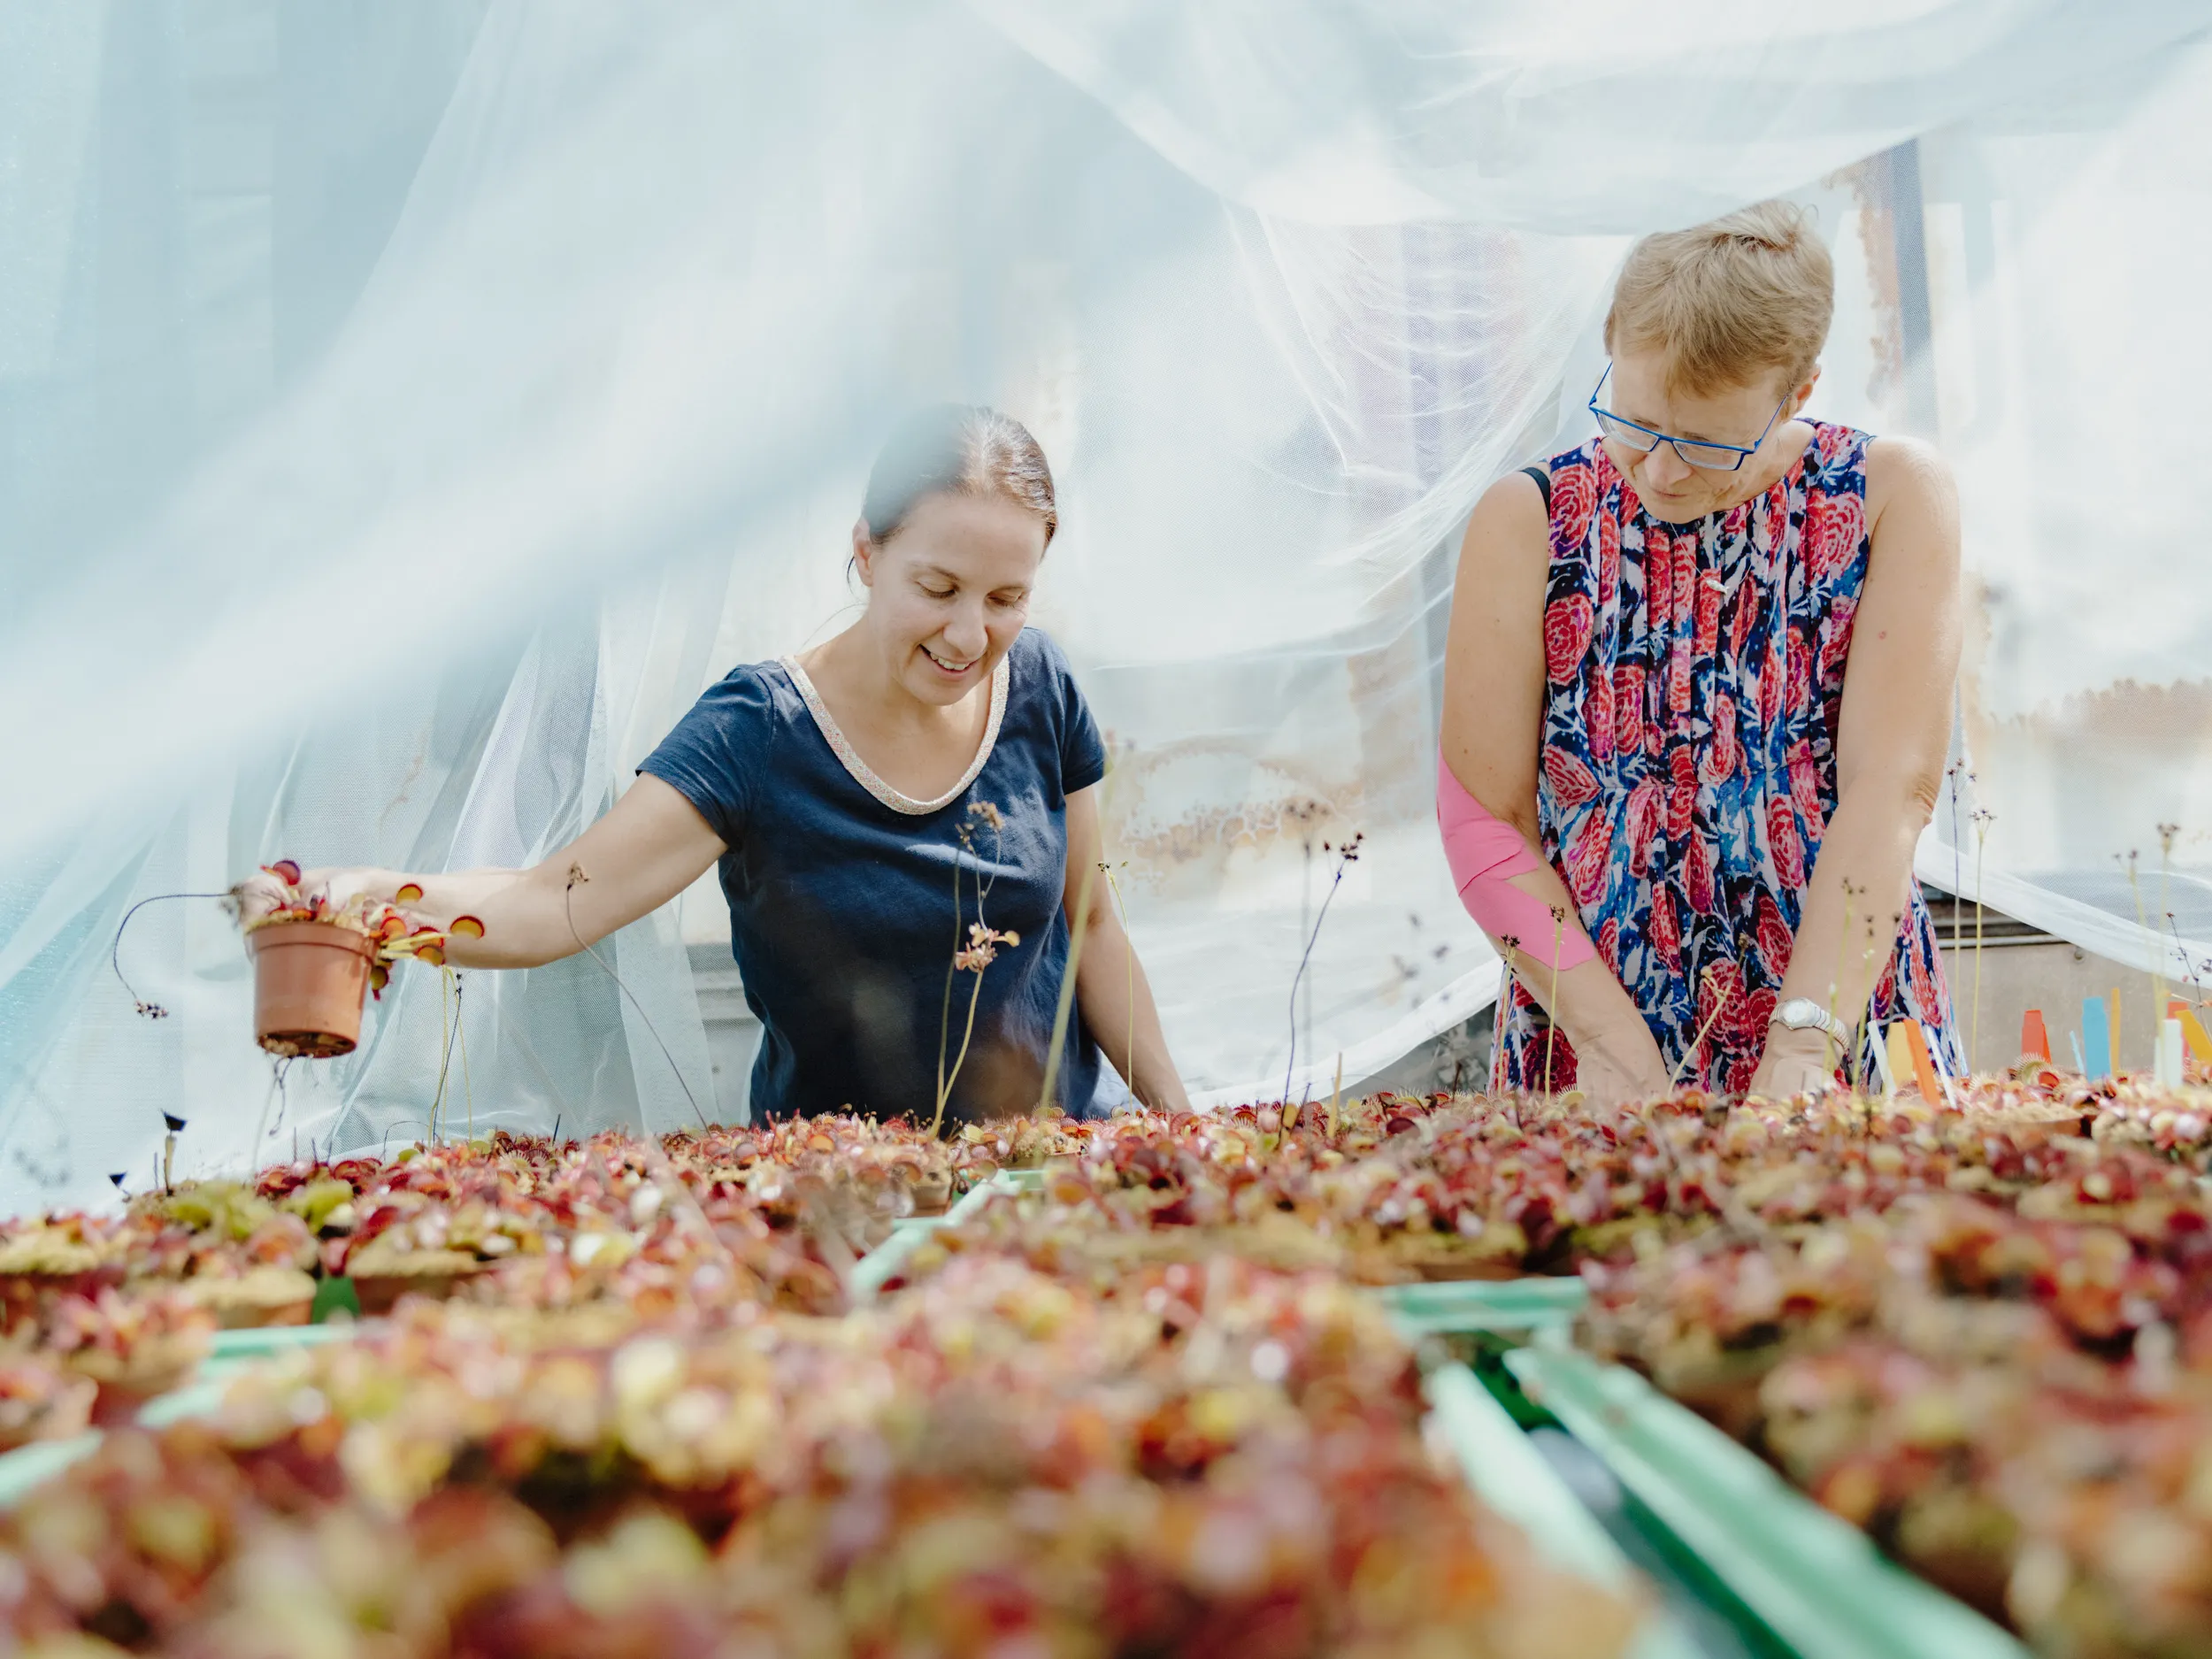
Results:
x,y
1129,954
445,1049
1346,855
1974,1024
981,951
1066,1010
461,1029
576,879
1551,1025
976,954
2157,978
2167,833
1835,986
1720,1003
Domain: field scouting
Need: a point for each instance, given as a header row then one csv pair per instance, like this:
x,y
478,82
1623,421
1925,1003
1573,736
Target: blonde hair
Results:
x,y
1728,301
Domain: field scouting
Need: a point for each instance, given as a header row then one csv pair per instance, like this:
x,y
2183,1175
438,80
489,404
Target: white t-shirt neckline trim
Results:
x,y
864,775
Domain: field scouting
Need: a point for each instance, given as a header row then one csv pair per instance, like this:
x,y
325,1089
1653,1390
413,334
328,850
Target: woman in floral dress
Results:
x,y
1702,667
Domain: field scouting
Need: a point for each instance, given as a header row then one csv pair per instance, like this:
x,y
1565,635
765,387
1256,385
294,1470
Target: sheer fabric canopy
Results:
x,y
407,409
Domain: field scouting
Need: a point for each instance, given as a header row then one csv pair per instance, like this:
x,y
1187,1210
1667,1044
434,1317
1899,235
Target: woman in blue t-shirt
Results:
x,y
901,817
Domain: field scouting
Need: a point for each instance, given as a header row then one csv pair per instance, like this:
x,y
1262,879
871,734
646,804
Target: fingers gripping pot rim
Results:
x,y
315,963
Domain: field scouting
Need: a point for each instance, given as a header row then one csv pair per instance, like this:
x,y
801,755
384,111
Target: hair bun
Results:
x,y
1728,303
1781,227
959,450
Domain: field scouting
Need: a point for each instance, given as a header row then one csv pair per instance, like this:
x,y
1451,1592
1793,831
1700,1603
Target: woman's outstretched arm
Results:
x,y
1110,989
650,847
1493,728
1890,744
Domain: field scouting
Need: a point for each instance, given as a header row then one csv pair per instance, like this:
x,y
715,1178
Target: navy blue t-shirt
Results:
x,y
841,893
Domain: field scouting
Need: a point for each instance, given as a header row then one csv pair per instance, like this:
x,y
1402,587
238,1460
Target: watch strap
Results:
x,y
1803,1014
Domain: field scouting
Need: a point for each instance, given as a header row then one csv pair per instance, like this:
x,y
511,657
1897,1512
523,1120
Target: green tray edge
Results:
x,y
1467,1305
1537,1290
1509,1475
32,1465
1815,1580
229,1353
870,1271
276,1338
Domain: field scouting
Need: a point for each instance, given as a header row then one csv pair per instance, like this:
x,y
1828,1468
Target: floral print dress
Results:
x,y
1693,684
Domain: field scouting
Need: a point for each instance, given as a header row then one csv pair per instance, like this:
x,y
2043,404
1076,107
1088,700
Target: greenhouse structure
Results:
x,y
1567,1027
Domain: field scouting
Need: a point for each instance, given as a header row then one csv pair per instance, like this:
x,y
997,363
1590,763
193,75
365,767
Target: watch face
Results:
x,y
1797,1013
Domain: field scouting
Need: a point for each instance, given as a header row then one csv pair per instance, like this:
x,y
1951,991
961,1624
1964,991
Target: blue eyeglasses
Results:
x,y
1709,457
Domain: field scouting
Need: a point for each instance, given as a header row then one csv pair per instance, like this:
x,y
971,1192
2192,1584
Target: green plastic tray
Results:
x,y
870,1272
231,1350
1817,1581
1500,1304
31,1465
1510,1475
277,1339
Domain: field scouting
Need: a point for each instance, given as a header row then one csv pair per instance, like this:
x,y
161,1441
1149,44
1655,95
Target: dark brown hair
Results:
x,y
956,449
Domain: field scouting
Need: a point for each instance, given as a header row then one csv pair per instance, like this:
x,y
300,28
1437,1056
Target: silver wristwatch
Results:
x,y
1802,1013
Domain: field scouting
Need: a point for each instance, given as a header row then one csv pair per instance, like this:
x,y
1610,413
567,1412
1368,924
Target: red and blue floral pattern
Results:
x,y
1694,687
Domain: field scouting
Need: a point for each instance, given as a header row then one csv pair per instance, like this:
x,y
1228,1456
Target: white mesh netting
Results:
x,y
404,412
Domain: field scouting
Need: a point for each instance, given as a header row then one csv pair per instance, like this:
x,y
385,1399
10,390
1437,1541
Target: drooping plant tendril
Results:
x,y
278,1066
576,878
445,1049
146,1009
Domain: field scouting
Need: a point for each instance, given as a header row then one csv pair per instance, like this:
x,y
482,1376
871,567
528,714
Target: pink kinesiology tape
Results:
x,y
1486,853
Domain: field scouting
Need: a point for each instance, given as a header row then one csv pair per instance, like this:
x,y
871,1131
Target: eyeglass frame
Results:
x,y
1658,438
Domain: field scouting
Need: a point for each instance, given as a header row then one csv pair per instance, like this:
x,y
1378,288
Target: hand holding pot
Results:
x,y
266,890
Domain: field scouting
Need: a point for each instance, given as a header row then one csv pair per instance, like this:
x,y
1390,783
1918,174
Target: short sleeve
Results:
x,y
714,753
1082,749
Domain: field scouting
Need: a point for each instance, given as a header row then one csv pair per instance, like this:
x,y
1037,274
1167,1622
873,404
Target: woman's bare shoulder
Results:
x,y
1509,527
1907,473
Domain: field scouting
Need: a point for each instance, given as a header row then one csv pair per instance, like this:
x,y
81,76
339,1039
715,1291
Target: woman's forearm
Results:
x,y
526,913
1891,740
648,848
1856,899
1116,1003
1586,1002
520,930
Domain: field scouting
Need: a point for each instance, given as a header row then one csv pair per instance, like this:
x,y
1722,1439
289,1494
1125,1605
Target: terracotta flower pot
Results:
x,y
310,981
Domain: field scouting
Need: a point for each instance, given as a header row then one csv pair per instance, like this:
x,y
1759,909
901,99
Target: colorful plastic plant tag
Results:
x,y
2193,1032
1923,1064
2033,1038
2170,1053
1897,1048
1883,1066
2096,1037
